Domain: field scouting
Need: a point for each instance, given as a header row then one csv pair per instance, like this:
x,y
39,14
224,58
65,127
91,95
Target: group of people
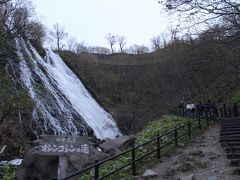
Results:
x,y
200,109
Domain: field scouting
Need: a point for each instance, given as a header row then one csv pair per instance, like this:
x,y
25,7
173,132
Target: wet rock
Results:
x,y
213,156
149,173
79,162
189,177
186,166
114,151
181,145
212,178
183,158
169,172
201,163
118,143
202,145
35,166
198,153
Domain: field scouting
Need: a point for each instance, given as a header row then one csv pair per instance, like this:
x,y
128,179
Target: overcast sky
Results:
x,y
91,20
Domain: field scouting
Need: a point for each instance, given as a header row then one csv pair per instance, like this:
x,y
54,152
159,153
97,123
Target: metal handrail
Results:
x,y
175,139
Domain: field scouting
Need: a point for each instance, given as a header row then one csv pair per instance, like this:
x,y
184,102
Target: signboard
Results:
x,y
63,145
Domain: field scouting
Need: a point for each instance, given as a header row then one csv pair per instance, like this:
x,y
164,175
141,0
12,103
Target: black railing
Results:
x,y
176,133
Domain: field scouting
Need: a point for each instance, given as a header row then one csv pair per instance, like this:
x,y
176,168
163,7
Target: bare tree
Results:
x,y
14,18
156,42
99,50
138,49
71,43
59,34
81,48
111,39
121,42
206,11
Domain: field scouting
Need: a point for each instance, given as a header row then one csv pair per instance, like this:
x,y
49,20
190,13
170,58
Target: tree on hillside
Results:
x,y
156,42
208,12
121,42
138,49
17,19
99,50
81,48
210,9
71,43
36,31
59,34
111,39
14,18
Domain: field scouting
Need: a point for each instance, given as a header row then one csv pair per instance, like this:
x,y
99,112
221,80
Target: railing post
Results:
x,y
133,161
96,170
221,112
224,110
189,129
176,136
158,148
229,112
199,124
207,122
235,110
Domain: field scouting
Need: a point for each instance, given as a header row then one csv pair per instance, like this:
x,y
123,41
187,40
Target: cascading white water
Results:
x,y
63,105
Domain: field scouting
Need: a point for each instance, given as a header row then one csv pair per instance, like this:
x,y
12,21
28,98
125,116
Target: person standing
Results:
x,y
200,109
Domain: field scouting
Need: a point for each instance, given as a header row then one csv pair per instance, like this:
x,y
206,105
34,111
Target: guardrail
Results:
x,y
231,110
176,133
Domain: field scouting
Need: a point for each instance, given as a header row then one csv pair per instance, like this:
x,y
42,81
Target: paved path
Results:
x,y
203,157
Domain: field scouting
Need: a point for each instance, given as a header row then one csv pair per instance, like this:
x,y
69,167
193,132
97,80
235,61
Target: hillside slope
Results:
x,y
137,88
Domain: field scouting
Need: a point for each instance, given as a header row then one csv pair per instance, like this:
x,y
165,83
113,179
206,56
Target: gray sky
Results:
x,y
91,20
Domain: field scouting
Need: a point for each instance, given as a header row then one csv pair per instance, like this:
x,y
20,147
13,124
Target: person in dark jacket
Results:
x,y
181,108
200,109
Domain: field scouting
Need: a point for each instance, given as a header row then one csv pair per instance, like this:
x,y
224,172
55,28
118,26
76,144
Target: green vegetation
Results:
x,y
233,97
12,99
9,173
154,128
159,126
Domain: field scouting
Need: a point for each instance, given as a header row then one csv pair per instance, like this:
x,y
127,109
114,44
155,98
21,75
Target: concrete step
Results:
x,y
234,149
233,155
230,144
235,162
230,136
229,133
227,139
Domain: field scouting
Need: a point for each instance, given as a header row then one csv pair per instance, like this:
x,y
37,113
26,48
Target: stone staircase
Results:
x,y
230,139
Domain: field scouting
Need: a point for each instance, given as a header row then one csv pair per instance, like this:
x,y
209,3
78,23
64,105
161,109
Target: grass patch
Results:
x,y
234,96
9,173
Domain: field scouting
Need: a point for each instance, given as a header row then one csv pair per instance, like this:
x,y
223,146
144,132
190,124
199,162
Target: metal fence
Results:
x,y
177,133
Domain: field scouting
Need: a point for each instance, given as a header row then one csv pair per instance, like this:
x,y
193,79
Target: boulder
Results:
x,y
189,177
186,166
149,174
120,143
212,178
35,166
79,162
181,145
169,172
197,153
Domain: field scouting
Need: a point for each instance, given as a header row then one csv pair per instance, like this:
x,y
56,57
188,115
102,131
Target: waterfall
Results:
x,y
63,104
